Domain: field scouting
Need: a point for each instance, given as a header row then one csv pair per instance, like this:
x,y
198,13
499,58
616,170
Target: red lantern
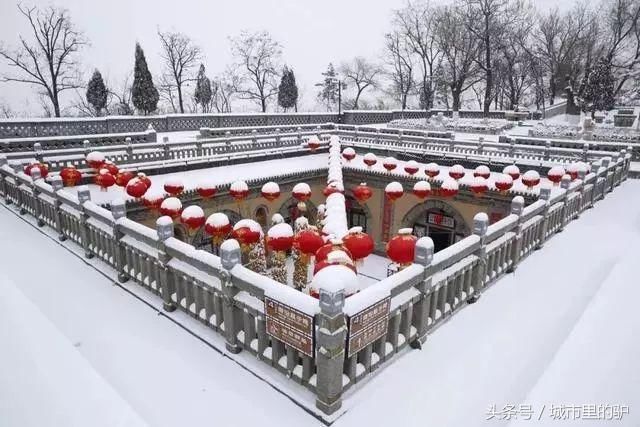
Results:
x,y
370,159
572,170
421,189
171,206
239,190
70,176
308,241
95,160
531,178
193,217
432,170
270,191
349,154
394,190
111,167
173,186
206,191
144,178
44,169
333,245
482,171
449,188
332,188
247,232
513,171
280,237
479,185
362,192
152,199
313,143
555,174
218,226
104,179
335,257
359,244
136,188
504,182
401,248
456,171
411,167
123,178
389,163
301,192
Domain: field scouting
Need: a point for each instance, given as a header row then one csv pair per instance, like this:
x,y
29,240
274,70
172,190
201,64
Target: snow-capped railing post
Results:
x,y
564,184
545,194
230,256
582,175
517,207
595,166
3,184
254,138
57,185
480,226
378,136
585,152
35,176
119,210
299,135
512,146
330,342
166,149
86,145
452,142
480,144
37,151
199,151
84,195
151,134
164,228
423,256
547,149
128,148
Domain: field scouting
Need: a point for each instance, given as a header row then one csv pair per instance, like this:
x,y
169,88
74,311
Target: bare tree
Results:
x,y
258,55
621,38
120,102
180,56
398,58
48,62
362,73
223,88
6,112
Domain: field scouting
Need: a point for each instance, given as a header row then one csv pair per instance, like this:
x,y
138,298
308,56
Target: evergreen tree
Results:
x,y
599,88
288,90
328,94
97,92
144,94
203,92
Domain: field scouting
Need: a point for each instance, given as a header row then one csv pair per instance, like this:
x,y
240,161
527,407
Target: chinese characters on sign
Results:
x,y
441,220
368,325
387,208
289,325
561,412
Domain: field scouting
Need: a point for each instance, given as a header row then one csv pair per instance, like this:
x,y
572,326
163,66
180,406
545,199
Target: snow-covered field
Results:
x,y
562,330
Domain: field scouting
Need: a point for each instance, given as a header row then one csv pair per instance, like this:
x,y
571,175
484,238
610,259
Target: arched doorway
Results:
x,y
357,215
438,220
262,216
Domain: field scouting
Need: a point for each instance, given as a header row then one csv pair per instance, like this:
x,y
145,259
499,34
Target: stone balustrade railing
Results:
x,y
608,146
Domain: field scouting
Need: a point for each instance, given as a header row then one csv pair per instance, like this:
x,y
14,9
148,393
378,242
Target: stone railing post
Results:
x,y
512,146
86,145
199,151
564,184
119,210
330,342
378,136
480,144
299,135
254,137
84,195
3,185
166,149
606,162
585,152
517,206
452,142
547,149
57,185
128,148
581,176
545,194
355,133
423,256
151,134
480,225
37,151
164,228
230,256
279,137
35,176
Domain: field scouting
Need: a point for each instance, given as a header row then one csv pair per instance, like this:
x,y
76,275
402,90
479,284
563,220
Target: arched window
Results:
x,y
356,215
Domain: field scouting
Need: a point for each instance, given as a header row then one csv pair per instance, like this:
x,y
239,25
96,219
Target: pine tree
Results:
x,y
97,92
599,88
329,88
288,90
202,94
144,94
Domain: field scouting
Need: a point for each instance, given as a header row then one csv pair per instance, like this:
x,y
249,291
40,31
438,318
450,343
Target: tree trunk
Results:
x,y
455,94
180,99
487,54
552,89
263,102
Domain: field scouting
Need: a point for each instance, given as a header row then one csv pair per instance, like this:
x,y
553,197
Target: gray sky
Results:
x,y
313,33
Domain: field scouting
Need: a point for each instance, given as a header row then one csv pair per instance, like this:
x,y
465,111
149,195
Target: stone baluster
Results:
x,y
279,137
86,145
355,133
84,195
547,149
166,148
119,210
423,256
545,194
585,152
512,146
299,135
581,176
480,225
330,342
199,152
596,186
565,183
230,256
318,131
129,148
37,151
452,142
57,185
35,176
378,136
399,137
3,184
480,144
151,134
517,207
164,228
254,138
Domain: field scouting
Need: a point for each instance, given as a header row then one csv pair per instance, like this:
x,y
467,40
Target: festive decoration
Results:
x,y
270,191
279,219
173,186
206,190
334,187
401,248
301,192
349,154
362,192
123,178
394,190
218,226
531,178
152,199
345,277
449,187
104,179
171,206
193,217
144,178
70,176
513,171
370,159
456,172
358,243
432,170
257,258
333,245
136,188
482,171
44,169
239,190
411,167
421,189
335,257
503,182
95,159
308,241
479,186
313,143
390,163
280,237
111,167
247,232
555,174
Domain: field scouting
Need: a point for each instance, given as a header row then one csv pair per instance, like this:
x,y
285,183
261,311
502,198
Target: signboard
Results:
x,y
441,220
289,325
387,209
368,325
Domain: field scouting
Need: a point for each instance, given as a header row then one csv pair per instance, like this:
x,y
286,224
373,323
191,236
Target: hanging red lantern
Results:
x,y
218,226
479,185
247,232
432,170
572,171
136,188
531,178
394,191
152,199
349,154
456,172
390,163
104,179
482,171
308,241
421,189
44,169
449,187
503,182
334,187
313,143
362,192
171,206
193,217
95,159
123,178
402,247
358,243
335,257
280,237
270,191
301,192
239,190
555,174
411,167
111,167
144,178
70,176
206,190
513,171
173,186
370,159
332,245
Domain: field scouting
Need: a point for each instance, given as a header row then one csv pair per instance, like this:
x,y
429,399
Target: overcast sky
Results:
x,y
312,33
